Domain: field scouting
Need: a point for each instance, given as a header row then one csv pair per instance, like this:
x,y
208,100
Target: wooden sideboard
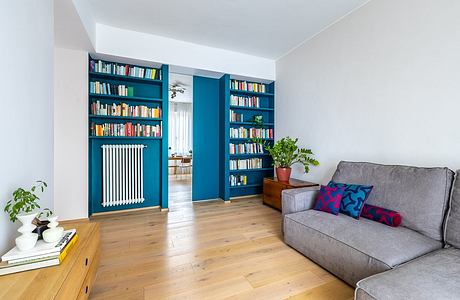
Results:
x,y
72,279
273,189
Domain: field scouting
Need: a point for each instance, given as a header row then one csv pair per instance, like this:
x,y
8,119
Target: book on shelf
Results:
x,y
104,88
242,132
237,180
246,148
126,130
235,117
246,164
125,110
243,85
42,255
100,66
244,101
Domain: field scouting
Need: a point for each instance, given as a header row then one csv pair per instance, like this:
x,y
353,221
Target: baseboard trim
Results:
x,y
164,209
208,200
80,220
124,211
245,197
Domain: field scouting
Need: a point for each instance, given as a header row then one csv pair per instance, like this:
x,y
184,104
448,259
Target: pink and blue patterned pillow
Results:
x,y
385,216
353,198
329,198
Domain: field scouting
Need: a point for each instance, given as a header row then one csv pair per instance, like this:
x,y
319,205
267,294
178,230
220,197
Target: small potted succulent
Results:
x,y
25,208
285,153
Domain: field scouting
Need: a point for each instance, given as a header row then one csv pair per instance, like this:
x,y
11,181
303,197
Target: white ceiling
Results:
x,y
265,28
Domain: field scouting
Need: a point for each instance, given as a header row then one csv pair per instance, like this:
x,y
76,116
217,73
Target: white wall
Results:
x,y
71,134
26,82
131,44
381,85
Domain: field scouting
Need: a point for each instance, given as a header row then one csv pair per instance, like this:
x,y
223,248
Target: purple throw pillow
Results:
x,y
329,198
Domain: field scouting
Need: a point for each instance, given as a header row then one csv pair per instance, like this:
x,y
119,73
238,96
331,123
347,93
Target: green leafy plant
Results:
x,y
285,153
25,201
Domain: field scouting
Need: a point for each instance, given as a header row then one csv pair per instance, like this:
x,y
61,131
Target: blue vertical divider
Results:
x,y
224,139
164,144
152,93
206,120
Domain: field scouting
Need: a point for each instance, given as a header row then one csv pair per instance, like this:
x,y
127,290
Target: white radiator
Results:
x,y
122,174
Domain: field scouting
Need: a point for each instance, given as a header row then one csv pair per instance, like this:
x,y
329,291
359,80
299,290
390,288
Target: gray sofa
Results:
x,y
357,249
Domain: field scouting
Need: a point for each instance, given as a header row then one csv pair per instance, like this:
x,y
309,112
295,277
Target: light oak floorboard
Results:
x,y
207,250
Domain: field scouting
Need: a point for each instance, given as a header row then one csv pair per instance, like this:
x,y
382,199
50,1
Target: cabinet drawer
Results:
x,y
86,288
74,281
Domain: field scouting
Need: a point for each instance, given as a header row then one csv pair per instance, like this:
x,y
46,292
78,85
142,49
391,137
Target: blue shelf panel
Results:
x,y
249,154
251,170
126,137
251,108
245,186
124,118
128,98
247,139
251,93
124,78
251,123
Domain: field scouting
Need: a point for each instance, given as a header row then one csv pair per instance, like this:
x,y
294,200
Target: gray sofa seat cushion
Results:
x,y
419,194
433,276
453,217
353,249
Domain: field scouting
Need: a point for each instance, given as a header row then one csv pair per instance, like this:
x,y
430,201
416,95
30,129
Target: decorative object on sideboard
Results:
x,y
24,207
285,153
54,233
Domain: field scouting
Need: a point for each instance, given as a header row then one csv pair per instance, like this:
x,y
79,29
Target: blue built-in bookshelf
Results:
x,y
127,106
243,163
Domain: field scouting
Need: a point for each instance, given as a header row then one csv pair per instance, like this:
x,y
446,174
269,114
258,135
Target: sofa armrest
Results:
x,y
295,200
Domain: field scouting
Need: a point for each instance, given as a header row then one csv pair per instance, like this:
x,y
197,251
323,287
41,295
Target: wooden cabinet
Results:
x,y
72,279
273,189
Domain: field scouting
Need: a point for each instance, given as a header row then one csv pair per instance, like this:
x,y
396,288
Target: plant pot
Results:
x,y
41,226
283,174
27,239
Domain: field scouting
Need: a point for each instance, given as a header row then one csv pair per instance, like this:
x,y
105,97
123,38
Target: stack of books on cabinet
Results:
x,y
41,256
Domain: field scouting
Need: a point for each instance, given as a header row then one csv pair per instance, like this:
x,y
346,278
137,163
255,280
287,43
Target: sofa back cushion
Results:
x,y
420,195
453,217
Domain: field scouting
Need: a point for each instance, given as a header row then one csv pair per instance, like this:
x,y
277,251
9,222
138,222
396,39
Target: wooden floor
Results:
x,y
209,250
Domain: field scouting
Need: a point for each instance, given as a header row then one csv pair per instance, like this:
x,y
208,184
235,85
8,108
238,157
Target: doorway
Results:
x,y
180,140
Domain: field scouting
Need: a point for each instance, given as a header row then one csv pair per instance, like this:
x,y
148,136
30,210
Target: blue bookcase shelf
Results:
x,y
265,108
125,98
124,118
152,93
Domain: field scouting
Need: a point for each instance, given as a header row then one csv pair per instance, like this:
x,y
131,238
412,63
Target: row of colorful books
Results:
x,y
237,180
246,148
103,88
244,101
128,129
245,164
41,256
247,86
242,132
235,117
124,110
100,66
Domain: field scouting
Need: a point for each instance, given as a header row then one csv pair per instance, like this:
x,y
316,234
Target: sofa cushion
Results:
x,y
353,249
353,198
433,276
419,194
382,215
453,217
329,198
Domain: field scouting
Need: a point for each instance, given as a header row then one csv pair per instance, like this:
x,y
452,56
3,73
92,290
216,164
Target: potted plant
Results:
x,y
285,153
24,207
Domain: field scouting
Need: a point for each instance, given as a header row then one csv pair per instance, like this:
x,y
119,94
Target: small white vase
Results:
x,y
27,239
54,233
